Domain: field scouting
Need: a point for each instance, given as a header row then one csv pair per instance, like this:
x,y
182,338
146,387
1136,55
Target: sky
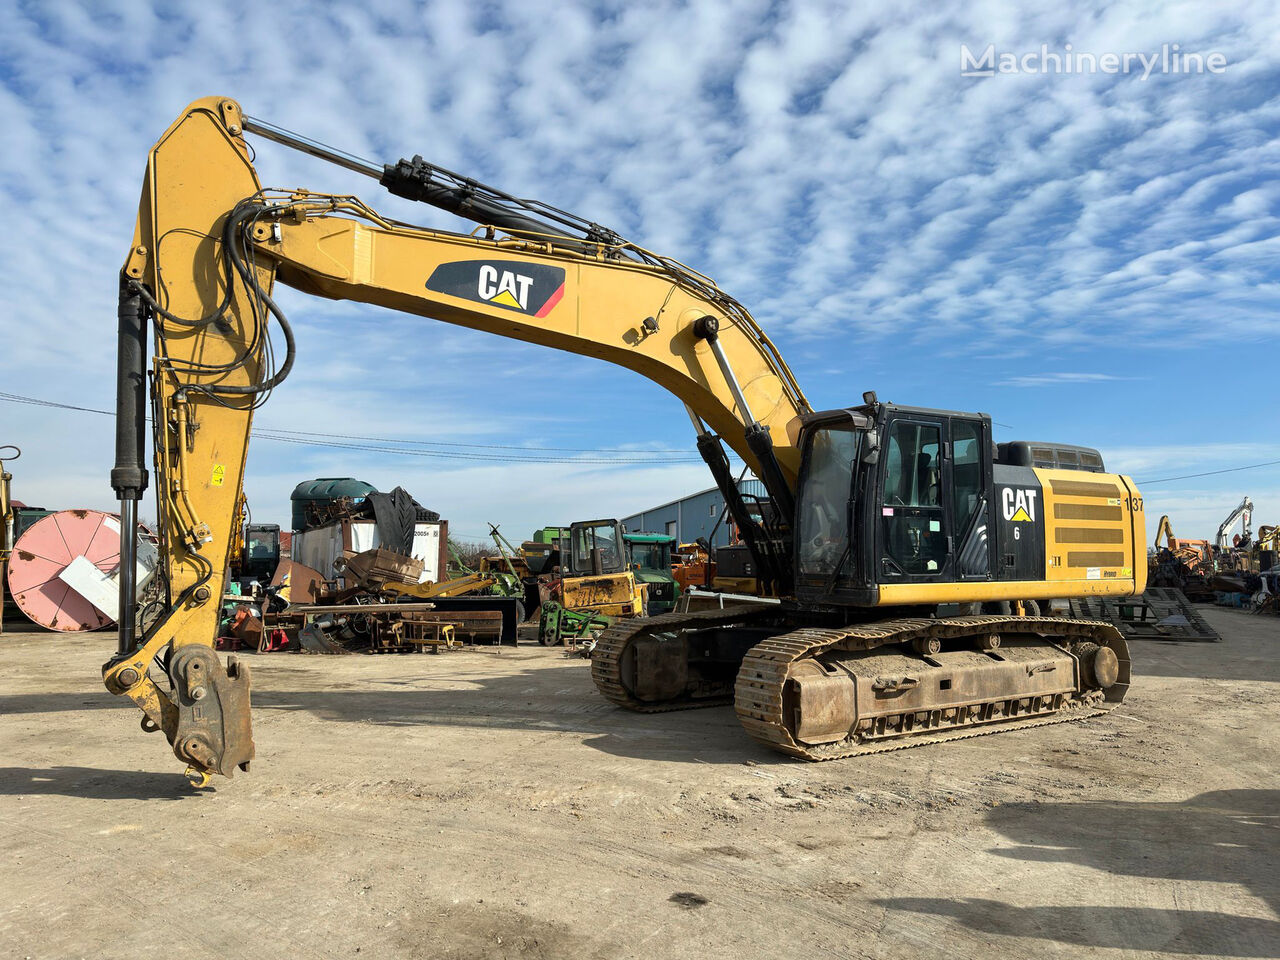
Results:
x,y
1089,257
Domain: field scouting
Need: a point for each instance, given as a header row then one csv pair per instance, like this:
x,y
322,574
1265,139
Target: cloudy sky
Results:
x,y
1091,258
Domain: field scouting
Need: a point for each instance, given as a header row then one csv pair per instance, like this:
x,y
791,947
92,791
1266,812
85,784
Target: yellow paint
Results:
x,y
1105,512
610,594
892,594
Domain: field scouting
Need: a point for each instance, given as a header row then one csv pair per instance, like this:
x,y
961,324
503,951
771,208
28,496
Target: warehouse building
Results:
x,y
691,517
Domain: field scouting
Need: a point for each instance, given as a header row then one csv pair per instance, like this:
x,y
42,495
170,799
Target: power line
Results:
x,y
482,457
15,398
1210,473
304,437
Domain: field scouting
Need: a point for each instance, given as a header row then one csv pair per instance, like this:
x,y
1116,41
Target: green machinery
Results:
x,y
649,556
542,551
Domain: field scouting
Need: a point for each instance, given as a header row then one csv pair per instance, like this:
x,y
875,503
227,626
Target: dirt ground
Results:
x,y
482,804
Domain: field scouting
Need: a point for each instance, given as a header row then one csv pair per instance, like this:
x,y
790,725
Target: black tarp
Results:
x,y
395,514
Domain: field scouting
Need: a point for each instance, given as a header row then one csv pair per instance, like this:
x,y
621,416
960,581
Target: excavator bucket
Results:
x,y
312,639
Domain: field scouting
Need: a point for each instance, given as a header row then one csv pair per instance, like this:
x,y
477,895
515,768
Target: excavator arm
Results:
x,y
1242,512
209,245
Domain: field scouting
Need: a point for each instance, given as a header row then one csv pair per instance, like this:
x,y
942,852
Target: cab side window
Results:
x,y
911,509
966,467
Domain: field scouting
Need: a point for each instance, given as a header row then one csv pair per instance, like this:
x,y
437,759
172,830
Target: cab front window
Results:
x,y
651,556
823,521
601,536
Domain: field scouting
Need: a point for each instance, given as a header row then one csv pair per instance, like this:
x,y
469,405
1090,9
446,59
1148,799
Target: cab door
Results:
x,y
934,499
969,460
912,538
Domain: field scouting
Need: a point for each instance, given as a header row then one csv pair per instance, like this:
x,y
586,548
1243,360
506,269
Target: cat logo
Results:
x,y
1019,505
507,288
529,288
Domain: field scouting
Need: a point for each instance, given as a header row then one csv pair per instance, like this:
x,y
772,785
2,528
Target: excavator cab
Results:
x,y
596,547
894,495
898,505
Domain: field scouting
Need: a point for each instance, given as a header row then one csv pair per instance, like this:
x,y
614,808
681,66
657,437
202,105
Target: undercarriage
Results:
x,y
827,692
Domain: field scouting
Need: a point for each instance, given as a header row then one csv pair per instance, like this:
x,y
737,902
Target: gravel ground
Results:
x,y
485,804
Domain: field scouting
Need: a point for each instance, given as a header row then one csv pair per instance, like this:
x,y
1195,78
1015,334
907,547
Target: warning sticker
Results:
x,y
1093,573
219,474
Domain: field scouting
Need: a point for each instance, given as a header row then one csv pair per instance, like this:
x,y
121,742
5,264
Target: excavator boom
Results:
x,y
208,246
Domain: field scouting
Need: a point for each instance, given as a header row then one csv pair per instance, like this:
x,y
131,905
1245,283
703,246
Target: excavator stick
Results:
x,y
209,330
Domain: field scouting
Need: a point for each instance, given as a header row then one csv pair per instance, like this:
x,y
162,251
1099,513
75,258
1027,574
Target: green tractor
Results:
x,y
649,557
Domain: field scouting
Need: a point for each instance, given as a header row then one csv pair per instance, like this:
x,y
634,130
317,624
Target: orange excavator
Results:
x,y
1197,555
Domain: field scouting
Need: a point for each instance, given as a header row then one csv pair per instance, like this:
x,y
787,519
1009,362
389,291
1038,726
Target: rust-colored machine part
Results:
x,y
642,663
821,694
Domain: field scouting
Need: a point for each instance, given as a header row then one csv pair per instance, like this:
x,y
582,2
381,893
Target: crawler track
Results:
x,y
611,648
761,685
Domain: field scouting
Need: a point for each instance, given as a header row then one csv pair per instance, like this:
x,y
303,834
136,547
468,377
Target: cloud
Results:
x,y
1198,512
1054,379
822,160
1160,460
1199,504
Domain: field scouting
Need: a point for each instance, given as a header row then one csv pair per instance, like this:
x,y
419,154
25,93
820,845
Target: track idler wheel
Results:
x,y
1099,666
926,646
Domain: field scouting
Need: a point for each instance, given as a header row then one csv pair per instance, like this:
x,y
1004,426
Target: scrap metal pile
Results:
x,y
374,603
368,572
1232,570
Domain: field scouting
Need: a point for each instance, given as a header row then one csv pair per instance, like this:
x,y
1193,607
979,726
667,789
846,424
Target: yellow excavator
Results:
x,y
913,560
